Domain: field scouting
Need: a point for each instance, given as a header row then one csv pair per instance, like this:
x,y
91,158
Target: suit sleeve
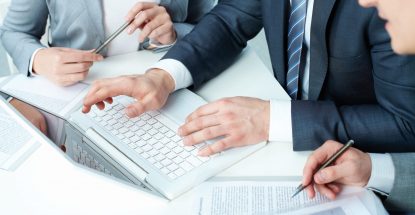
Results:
x,y
22,29
388,126
402,196
217,40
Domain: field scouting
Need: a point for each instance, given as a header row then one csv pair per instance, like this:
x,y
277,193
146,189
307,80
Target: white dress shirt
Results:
x,y
382,175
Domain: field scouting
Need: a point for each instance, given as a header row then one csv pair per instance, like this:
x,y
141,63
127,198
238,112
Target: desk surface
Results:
x,y
48,183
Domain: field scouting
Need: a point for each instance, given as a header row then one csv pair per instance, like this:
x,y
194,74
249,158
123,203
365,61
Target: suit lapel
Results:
x,y
318,47
95,10
275,23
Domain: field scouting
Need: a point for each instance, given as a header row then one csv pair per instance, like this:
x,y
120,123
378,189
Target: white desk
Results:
x,y
48,183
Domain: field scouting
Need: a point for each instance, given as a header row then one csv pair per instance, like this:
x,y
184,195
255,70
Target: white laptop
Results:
x,y
148,148
17,141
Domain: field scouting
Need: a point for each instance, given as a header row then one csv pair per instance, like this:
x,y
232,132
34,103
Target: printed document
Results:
x,y
267,197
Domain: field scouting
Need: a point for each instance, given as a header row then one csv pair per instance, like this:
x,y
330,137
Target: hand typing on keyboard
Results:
x,y
150,90
152,136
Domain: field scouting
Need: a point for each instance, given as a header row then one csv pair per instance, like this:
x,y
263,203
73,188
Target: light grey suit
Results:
x,y
75,24
402,196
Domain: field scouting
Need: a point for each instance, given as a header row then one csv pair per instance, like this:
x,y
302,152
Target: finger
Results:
x,y
71,68
70,79
137,8
83,56
334,187
322,189
198,124
204,110
203,135
109,100
334,173
104,89
318,157
165,29
136,109
216,147
151,26
311,193
100,105
142,18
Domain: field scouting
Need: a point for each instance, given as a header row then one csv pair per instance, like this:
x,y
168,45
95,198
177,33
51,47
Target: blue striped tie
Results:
x,y
295,43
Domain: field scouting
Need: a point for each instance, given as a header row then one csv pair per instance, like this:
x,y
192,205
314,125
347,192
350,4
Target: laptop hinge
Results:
x,y
115,154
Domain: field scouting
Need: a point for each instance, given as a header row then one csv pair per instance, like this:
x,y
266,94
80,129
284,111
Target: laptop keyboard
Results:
x,y
151,137
12,135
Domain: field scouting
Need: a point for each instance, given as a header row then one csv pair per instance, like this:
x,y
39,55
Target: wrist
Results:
x,y
266,119
162,76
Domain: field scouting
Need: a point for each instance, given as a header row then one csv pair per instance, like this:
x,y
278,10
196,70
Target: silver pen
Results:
x,y
301,187
113,36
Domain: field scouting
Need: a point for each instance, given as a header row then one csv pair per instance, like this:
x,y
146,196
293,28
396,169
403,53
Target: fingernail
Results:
x,y
100,58
130,112
129,30
321,176
202,153
186,141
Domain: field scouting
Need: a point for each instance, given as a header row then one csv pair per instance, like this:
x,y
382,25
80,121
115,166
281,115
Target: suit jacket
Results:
x,y
359,89
75,24
402,196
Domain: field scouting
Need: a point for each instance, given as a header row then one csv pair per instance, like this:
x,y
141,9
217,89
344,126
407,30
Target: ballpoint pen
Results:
x,y
113,36
301,187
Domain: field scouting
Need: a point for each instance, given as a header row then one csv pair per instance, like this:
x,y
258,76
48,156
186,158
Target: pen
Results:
x,y
301,187
113,36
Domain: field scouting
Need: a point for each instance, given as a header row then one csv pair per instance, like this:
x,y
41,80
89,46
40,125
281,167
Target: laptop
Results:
x,y
17,138
148,149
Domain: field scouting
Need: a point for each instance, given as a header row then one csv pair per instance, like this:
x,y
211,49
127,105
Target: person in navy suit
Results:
x,y
333,57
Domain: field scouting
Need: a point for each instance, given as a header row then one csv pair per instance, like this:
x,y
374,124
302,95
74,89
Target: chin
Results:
x,y
402,48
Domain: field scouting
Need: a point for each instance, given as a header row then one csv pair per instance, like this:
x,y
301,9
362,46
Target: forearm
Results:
x,y
371,127
22,29
218,39
402,197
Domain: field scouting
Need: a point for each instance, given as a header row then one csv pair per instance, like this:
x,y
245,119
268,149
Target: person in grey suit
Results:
x,y
390,174
78,26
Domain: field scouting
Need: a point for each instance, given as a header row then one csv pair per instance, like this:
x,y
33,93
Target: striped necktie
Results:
x,y
295,44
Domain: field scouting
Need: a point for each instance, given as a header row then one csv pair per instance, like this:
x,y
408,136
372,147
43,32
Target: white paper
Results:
x,y
45,95
250,197
129,64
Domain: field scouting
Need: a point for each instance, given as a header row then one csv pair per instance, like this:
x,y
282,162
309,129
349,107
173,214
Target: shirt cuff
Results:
x,y
177,70
280,126
383,173
31,72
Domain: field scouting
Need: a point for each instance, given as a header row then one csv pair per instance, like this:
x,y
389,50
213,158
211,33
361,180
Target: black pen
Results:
x,y
301,187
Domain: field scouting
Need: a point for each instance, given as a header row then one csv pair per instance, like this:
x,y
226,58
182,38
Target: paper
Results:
x,y
45,95
250,197
129,64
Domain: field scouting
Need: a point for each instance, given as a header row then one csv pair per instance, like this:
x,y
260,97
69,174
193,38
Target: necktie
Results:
x,y
295,44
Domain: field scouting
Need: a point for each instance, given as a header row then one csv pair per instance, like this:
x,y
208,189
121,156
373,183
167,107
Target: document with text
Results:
x,y
267,197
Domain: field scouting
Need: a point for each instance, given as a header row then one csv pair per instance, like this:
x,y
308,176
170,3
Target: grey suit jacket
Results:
x,y
402,196
75,24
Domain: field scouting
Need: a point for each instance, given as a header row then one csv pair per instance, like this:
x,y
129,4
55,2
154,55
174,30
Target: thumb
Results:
x,y
135,109
332,174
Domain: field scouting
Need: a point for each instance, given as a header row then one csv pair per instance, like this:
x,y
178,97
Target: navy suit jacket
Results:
x,y
359,89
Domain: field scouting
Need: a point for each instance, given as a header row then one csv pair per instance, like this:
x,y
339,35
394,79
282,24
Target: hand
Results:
x,y
151,91
64,66
31,114
154,21
351,168
240,120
